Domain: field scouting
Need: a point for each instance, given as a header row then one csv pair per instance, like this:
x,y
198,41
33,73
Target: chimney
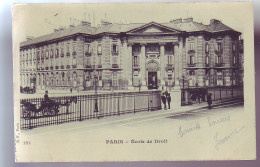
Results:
x,y
28,38
176,21
85,23
214,21
104,23
187,20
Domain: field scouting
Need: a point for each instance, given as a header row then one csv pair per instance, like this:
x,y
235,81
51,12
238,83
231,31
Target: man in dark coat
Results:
x,y
163,97
168,97
209,100
46,99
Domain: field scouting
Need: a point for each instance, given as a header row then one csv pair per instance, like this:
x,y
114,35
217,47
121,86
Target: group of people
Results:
x,y
166,97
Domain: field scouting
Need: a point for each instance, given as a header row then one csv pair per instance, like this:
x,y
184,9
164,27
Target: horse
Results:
x,y
68,102
49,107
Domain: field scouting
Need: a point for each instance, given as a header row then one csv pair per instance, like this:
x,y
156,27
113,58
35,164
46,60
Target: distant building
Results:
x,y
124,56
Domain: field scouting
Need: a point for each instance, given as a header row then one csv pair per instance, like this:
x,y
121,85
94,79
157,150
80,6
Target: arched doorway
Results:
x,y
152,68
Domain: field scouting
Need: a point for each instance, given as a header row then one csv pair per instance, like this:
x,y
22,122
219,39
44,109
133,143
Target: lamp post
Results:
x,y
232,82
183,95
140,78
96,97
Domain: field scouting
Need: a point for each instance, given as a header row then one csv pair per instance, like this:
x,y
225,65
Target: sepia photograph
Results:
x,y
134,82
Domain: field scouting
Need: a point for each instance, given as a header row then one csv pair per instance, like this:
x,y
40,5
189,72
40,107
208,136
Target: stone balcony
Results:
x,y
136,67
191,65
169,67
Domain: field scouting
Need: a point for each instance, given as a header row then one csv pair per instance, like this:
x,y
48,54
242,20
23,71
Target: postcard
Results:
x,y
134,82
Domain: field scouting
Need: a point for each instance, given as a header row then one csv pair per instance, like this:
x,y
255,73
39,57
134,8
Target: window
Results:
x,y
191,46
100,60
207,48
114,48
51,53
191,73
234,60
87,49
207,60
170,59
47,54
218,61
88,61
42,63
219,47
191,60
234,47
74,61
135,60
57,52
99,49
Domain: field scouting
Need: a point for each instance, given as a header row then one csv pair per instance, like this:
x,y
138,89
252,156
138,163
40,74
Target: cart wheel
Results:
x,y
26,114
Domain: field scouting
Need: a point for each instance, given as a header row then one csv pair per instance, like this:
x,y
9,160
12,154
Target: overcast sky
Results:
x,y
40,19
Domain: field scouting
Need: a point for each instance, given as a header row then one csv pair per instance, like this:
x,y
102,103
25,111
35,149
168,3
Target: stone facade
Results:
x,y
149,56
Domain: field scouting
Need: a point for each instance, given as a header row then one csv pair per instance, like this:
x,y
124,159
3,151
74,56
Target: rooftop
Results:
x,y
185,25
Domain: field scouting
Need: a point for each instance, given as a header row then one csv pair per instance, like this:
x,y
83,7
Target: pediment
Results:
x,y
153,28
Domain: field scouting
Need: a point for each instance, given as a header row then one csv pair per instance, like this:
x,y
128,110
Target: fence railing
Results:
x,y
198,95
36,112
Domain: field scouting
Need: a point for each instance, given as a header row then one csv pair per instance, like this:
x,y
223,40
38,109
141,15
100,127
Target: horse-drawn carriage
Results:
x,y
46,108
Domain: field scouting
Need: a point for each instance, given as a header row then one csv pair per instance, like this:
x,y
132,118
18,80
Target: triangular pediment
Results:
x,y
153,28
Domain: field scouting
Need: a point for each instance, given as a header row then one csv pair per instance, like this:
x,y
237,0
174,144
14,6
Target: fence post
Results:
x,y
30,126
118,107
80,108
220,93
148,103
134,104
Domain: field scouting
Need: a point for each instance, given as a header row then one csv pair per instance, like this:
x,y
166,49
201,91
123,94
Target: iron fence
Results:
x,y
36,112
198,95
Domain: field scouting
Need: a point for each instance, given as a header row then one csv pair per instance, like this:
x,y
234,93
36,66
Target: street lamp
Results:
x,y
96,97
140,78
183,95
232,82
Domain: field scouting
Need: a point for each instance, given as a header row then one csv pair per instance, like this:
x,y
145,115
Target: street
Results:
x,y
176,127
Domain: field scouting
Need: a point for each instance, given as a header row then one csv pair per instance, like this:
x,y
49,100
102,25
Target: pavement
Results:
x,y
139,117
184,133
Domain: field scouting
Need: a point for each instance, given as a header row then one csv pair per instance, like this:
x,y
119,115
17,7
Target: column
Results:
x,y
127,63
130,63
80,80
176,92
162,64
176,65
180,60
142,65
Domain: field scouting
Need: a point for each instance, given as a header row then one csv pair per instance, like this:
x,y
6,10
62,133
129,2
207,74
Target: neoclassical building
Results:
x,y
125,56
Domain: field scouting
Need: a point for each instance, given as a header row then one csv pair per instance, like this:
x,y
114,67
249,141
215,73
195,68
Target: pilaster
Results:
x,y
162,63
142,64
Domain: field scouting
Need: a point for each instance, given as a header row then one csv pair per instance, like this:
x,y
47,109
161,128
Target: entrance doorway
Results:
x,y
152,80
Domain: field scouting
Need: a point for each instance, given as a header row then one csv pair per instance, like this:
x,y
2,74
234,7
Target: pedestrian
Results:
x,y
71,90
46,100
209,100
163,97
166,92
168,97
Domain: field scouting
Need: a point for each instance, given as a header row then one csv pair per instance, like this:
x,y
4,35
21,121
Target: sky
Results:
x,y
41,19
